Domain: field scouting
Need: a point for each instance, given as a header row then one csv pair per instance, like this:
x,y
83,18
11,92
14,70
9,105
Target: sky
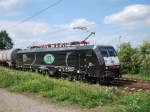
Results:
x,y
114,21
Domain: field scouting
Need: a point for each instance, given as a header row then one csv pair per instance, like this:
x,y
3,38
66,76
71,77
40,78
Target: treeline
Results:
x,y
135,60
5,41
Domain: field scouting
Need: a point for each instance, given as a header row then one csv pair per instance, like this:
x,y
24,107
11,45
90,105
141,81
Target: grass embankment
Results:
x,y
85,95
138,76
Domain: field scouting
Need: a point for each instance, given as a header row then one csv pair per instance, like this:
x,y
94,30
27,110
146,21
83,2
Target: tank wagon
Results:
x,y
8,57
88,62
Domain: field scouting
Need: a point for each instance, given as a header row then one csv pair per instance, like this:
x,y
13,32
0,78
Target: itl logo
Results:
x,y
49,58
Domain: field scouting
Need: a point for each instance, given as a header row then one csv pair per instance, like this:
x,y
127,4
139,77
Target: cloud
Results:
x,y
27,32
113,40
7,4
13,13
81,22
131,17
41,32
11,7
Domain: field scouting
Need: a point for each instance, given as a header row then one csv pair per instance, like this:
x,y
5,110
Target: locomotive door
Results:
x,y
73,61
90,63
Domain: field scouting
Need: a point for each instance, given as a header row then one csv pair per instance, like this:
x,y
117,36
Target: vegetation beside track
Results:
x,y
135,60
137,76
84,95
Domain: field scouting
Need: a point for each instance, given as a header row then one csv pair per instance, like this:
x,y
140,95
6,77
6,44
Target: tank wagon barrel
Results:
x,y
8,57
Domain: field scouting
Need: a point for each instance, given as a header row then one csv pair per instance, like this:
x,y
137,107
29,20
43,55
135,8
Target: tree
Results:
x,y
5,41
129,58
135,60
145,58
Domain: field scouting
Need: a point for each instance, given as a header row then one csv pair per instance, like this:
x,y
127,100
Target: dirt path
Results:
x,y
13,102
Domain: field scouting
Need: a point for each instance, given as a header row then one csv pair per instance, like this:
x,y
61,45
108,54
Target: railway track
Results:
x,y
127,84
131,85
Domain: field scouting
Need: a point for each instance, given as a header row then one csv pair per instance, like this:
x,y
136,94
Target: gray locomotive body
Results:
x,y
90,61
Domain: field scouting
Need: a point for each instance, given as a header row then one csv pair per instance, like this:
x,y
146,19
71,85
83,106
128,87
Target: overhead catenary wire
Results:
x,y
34,15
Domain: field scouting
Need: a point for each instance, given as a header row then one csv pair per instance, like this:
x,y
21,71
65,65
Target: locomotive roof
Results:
x,y
62,48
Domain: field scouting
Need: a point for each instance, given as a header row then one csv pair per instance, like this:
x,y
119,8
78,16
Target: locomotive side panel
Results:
x,y
78,61
84,60
62,59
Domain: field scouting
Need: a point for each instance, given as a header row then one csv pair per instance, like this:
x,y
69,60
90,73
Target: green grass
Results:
x,y
138,76
84,95
138,102
56,89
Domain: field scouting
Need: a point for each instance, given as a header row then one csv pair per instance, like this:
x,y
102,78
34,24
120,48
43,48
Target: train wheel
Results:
x,y
44,72
71,76
36,70
77,77
81,77
94,81
50,73
86,78
101,80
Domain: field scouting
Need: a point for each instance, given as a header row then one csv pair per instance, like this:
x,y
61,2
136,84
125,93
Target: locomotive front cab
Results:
x,y
111,61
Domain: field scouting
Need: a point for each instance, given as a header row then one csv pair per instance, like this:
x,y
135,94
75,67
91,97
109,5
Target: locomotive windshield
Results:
x,y
107,51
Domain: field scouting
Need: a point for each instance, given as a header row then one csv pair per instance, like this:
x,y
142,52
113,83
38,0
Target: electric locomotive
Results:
x,y
90,61
76,60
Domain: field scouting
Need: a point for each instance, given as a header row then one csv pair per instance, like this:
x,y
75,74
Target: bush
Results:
x,y
135,60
